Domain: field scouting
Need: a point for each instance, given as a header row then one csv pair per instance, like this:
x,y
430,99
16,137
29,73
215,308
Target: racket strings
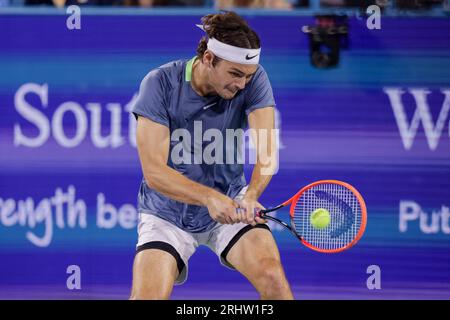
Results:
x,y
345,216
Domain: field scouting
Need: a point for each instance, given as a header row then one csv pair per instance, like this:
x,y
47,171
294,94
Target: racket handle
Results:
x,y
263,212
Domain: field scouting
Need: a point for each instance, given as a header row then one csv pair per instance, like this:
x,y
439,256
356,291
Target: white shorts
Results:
x,y
157,233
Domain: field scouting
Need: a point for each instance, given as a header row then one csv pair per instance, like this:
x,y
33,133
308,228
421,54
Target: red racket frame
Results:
x,y
293,200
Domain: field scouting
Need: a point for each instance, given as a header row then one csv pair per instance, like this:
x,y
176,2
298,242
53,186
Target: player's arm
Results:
x,y
262,128
153,142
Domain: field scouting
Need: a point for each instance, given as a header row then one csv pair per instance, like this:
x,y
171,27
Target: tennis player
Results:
x,y
186,204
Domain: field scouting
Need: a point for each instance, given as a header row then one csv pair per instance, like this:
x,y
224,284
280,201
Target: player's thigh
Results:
x,y
154,273
255,254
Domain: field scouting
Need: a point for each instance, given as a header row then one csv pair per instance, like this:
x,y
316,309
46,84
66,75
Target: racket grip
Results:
x,y
259,212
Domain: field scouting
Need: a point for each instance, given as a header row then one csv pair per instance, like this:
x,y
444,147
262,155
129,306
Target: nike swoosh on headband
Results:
x,y
250,58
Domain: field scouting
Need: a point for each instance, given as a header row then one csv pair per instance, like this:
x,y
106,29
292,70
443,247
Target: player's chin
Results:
x,y
228,94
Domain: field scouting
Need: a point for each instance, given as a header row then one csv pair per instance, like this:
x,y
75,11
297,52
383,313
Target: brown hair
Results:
x,y
227,27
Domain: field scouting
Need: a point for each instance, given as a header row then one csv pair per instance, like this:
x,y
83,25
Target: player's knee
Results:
x,y
271,276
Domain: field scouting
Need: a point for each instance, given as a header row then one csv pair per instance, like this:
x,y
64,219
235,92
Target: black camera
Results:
x,y
326,39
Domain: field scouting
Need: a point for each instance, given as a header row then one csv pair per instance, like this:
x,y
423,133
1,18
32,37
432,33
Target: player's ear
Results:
x,y
208,58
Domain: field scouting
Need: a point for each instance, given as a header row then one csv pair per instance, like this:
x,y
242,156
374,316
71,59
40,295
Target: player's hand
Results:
x,y
250,208
222,208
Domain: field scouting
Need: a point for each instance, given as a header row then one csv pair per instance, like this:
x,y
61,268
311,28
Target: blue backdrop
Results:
x,y
69,172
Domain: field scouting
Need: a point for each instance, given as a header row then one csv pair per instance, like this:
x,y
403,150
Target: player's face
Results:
x,y
228,78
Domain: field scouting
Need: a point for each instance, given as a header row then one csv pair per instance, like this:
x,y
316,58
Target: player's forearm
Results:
x,y
258,182
265,138
265,167
174,185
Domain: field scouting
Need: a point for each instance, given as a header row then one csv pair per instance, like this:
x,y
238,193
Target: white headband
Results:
x,y
232,53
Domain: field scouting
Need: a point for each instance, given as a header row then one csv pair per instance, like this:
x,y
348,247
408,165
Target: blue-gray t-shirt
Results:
x,y
166,97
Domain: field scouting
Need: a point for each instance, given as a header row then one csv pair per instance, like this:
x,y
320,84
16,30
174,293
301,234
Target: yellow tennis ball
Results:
x,y
320,218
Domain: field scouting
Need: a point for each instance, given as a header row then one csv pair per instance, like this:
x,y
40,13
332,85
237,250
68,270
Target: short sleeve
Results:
x,y
259,94
151,100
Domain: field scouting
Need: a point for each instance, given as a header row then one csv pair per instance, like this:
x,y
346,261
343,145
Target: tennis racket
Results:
x,y
347,215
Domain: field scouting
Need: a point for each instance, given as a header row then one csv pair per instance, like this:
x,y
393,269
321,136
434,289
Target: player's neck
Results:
x,y
199,80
